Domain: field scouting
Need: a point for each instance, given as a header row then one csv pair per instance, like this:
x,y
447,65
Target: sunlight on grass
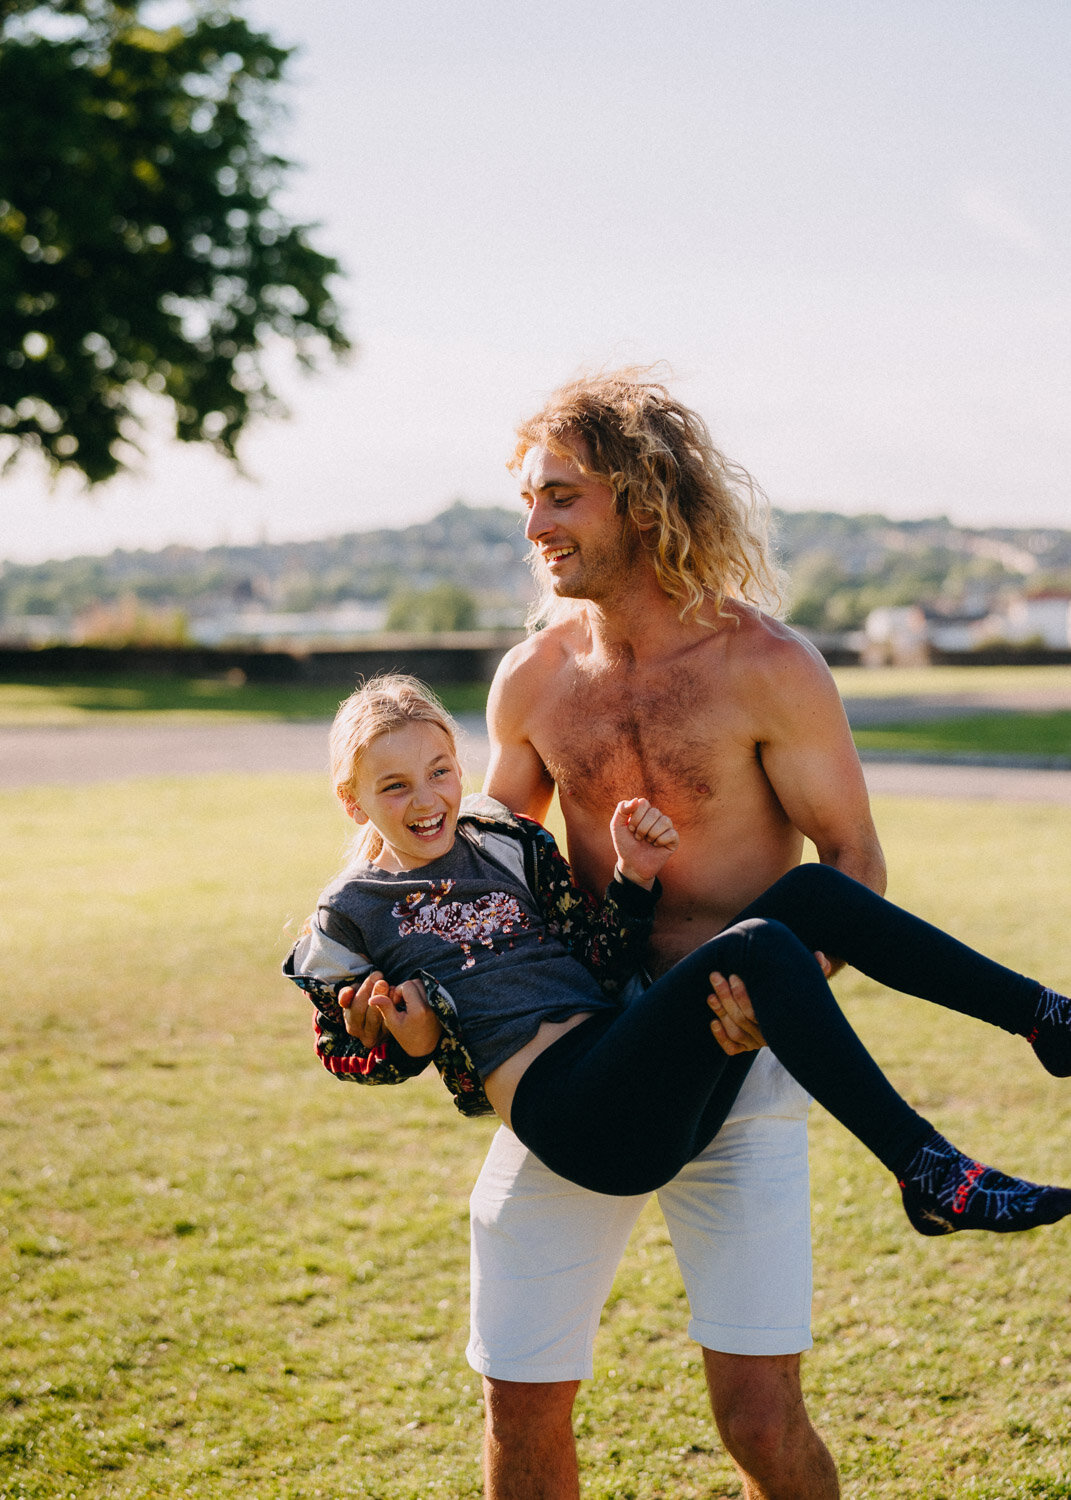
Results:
x,y
1023,734
198,700
895,682
227,1274
44,701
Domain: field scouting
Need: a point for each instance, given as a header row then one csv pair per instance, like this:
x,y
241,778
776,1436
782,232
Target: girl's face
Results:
x,y
408,786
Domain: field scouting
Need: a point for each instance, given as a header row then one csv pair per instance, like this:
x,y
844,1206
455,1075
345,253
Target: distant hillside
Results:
x,y
839,567
481,549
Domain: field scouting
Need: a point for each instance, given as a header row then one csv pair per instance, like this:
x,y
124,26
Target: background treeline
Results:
x,y
466,568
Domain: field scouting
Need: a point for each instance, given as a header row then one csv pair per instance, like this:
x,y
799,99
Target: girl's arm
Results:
x,y
407,1016
643,839
609,937
323,964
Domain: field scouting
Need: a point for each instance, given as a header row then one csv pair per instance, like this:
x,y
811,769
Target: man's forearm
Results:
x,y
864,862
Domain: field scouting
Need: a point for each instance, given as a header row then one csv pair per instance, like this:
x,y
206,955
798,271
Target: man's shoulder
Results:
x,y
529,666
780,674
759,642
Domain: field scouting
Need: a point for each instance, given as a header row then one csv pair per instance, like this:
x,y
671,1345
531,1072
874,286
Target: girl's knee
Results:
x,y
768,940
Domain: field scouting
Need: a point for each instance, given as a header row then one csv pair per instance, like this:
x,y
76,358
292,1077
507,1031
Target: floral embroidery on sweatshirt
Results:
x,y
460,922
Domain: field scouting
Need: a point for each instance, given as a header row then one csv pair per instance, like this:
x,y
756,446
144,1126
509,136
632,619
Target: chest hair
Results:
x,y
616,734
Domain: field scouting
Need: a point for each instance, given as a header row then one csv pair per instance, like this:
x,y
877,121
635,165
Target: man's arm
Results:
x,y
811,761
516,775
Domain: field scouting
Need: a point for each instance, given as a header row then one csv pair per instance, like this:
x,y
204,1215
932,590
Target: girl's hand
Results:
x,y
361,1021
407,1015
644,838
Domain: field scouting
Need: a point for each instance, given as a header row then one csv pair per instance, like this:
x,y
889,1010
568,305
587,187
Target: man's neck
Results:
x,y
642,624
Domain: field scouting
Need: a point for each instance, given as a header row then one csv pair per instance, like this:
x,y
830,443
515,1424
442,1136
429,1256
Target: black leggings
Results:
x,y
621,1103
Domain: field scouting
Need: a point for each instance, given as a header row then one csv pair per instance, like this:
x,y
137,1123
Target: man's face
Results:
x,y
579,538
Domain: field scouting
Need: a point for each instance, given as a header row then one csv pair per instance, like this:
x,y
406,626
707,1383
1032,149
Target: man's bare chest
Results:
x,y
672,740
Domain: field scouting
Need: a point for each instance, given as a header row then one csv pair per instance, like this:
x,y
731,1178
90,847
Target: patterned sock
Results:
x,y
1051,1036
944,1191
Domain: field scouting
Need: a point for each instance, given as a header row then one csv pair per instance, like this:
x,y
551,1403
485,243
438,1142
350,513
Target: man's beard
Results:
x,y
603,574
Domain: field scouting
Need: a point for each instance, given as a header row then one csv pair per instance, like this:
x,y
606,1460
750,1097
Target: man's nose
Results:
x,y
538,523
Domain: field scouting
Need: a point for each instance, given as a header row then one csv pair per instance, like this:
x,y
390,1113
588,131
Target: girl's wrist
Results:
x,y
621,873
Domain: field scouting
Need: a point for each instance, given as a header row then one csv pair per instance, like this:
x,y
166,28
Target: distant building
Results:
x,y
910,634
1041,617
896,635
262,627
34,630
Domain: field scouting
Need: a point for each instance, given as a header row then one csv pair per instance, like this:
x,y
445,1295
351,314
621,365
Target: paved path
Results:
x,y
865,712
1001,783
79,753
110,752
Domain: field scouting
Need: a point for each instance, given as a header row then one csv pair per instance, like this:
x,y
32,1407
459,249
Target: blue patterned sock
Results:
x,y
1051,1036
945,1191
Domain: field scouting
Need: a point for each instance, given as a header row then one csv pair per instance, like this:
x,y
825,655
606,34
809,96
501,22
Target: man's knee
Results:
x,y
758,1407
518,1410
528,1450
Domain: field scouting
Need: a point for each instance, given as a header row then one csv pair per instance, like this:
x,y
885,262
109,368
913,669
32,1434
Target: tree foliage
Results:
x,y
140,248
444,606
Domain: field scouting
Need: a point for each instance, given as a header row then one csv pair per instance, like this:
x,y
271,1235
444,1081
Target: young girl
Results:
x,y
501,971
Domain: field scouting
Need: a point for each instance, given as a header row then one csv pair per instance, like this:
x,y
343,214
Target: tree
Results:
x,y
139,246
443,607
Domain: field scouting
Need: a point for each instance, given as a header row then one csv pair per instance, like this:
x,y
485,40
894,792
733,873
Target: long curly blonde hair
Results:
x,y
701,518
383,703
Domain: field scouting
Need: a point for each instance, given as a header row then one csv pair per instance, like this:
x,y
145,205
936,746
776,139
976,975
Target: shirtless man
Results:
x,y
655,675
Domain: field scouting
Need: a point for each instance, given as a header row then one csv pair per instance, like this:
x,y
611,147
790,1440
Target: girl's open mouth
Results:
x,y
428,828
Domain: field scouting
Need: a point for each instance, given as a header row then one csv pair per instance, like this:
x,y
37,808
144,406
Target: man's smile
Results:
x,y
552,555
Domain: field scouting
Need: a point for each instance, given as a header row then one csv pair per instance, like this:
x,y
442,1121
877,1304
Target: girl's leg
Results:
x,y
619,1104
943,1190
836,915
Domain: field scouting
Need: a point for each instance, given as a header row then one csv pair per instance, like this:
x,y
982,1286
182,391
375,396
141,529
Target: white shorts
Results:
x,y
544,1252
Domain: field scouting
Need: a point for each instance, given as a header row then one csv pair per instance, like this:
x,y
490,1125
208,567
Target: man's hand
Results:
x,y
734,1026
361,1021
407,1015
644,838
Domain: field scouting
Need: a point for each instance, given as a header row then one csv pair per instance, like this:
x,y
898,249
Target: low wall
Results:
x,y
471,656
1001,656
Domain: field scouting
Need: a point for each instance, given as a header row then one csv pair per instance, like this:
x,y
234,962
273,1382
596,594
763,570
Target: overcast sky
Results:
x,y
845,225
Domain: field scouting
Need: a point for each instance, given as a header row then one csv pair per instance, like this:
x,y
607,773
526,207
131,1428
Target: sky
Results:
x,y
845,227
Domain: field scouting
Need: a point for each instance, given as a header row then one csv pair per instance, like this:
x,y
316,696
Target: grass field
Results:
x,y
127,699
185,699
1019,734
227,1274
42,701
896,682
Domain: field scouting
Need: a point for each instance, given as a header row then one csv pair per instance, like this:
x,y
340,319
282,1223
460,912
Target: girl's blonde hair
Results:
x,y
383,703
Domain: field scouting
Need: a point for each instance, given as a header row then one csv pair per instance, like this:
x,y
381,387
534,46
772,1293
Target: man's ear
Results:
x,y
353,808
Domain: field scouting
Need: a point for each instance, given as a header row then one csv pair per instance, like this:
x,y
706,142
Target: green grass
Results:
x,y
227,1274
55,701
897,682
192,699
1021,734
